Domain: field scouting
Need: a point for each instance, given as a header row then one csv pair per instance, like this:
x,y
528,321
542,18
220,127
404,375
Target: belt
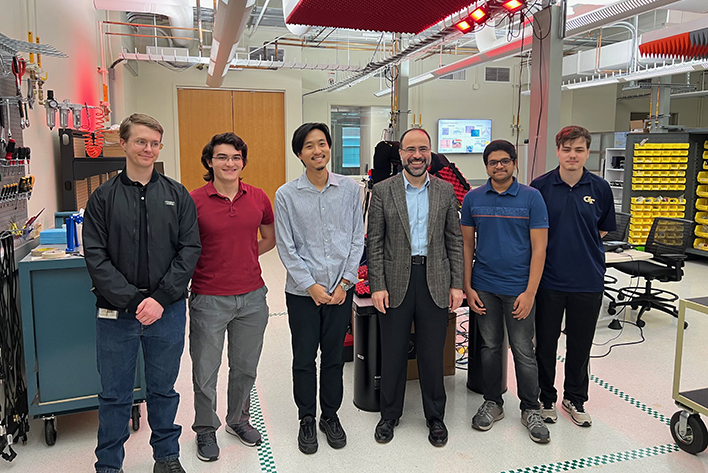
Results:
x,y
418,259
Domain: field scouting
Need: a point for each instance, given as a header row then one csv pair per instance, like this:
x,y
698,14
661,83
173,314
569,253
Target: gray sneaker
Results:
x,y
170,466
548,412
488,413
531,418
248,435
577,413
207,448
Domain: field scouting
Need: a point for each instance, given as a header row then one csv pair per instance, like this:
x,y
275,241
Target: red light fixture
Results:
x,y
512,6
464,26
480,15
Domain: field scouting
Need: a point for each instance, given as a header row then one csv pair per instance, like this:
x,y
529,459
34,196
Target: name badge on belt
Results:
x,y
107,314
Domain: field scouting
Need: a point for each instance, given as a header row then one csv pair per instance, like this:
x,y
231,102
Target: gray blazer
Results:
x,y
389,241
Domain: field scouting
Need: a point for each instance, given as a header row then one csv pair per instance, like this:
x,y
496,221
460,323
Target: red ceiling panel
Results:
x,y
396,16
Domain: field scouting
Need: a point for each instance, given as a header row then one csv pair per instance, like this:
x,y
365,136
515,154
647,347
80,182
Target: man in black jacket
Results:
x,y
141,243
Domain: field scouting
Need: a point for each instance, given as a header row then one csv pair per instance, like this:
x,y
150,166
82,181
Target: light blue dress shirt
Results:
x,y
417,200
320,234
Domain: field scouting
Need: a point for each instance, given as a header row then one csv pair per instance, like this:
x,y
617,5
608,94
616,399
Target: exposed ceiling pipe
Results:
x,y
180,12
260,17
229,23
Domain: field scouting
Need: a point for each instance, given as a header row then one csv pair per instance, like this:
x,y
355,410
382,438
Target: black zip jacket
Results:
x,y
111,240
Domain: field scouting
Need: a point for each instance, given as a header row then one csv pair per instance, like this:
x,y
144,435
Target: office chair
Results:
x,y
667,241
620,234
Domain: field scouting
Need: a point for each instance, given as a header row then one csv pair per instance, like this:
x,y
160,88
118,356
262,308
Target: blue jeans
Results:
x,y
491,326
117,343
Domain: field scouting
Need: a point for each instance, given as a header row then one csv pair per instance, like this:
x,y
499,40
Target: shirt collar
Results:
x,y
211,190
126,180
408,185
585,179
304,183
512,190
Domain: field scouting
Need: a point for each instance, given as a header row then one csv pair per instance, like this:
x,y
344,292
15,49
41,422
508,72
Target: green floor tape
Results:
x,y
598,460
265,454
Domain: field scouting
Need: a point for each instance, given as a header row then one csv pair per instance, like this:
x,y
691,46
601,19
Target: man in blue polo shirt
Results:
x,y
580,212
502,272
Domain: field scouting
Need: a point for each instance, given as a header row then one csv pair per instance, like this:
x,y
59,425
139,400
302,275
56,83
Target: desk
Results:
x,y
626,256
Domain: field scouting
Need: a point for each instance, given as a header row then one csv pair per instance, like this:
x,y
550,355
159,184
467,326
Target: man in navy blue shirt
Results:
x,y
511,225
580,212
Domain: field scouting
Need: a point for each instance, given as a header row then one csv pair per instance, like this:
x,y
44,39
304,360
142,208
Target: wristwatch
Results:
x,y
345,287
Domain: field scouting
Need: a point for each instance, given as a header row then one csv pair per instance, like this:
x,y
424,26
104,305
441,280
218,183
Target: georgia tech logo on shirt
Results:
x,y
172,202
589,199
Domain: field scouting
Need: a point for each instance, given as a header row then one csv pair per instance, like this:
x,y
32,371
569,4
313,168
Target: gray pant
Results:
x,y
491,326
245,318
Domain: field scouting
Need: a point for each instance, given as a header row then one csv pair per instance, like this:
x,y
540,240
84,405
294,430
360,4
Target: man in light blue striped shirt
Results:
x,y
319,230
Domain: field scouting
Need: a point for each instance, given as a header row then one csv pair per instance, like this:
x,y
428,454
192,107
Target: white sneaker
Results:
x,y
577,413
548,412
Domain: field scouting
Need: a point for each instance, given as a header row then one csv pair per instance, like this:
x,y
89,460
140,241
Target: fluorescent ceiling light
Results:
x,y
383,92
421,78
590,83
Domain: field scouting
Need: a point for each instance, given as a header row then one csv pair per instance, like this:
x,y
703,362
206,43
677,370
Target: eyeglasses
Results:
x,y
224,159
505,162
412,150
143,144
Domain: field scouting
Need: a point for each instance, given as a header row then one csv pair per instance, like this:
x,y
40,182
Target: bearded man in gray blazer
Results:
x,y
416,266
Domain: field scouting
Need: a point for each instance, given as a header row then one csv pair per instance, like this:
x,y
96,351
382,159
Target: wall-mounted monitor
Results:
x,y
463,136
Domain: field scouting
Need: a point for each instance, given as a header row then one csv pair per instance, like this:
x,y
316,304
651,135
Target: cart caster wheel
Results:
x,y
620,297
611,310
50,431
696,438
633,306
641,323
135,417
685,325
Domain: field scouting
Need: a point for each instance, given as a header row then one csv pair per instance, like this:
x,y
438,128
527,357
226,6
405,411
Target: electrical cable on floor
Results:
x,y
14,422
624,321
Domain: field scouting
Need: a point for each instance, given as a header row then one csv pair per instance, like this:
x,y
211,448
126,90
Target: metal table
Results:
x,y
687,428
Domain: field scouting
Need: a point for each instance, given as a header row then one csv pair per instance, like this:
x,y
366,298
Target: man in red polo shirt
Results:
x,y
228,293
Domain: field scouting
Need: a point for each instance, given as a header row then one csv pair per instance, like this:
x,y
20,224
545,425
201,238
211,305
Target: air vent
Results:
x,y
459,75
497,74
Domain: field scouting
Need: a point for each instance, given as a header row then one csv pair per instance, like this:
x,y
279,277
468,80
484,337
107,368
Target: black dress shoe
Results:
x,y
438,432
384,430
307,437
336,437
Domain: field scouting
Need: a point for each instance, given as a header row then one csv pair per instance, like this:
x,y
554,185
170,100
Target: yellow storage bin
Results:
x,y
700,244
702,218
702,204
682,160
702,231
702,191
681,145
705,164
703,177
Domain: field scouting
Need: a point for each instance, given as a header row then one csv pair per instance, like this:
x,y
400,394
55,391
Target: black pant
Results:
x,y
581,313
313,326
430,328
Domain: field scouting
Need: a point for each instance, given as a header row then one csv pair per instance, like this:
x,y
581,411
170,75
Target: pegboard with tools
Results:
x,y
15,180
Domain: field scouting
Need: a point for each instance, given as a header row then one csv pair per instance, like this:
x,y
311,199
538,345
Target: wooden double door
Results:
x,y
257,117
